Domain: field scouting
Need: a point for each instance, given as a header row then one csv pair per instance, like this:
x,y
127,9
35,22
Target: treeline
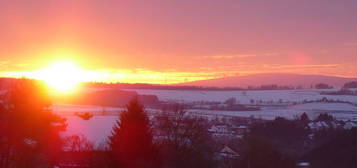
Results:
x,y
154,86
341,92
352,84
192,88
347,89
286,143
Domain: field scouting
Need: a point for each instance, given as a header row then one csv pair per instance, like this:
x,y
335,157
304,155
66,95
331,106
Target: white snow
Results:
x,y
326,107
96,130
242,96
70,109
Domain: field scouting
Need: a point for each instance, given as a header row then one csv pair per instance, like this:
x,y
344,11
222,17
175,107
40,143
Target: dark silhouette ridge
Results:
x,y
282,79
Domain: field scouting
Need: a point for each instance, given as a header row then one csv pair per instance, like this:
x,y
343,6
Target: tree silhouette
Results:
x,y
337,149
323,86
324,117
304,117
185,140
287,135
260,153
352,84
131,141
29,130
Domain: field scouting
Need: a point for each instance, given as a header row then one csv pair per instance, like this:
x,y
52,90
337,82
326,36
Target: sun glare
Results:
x,y
62,76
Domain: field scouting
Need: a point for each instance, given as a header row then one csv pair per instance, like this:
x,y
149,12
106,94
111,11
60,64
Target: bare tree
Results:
x,y
77,143
185,140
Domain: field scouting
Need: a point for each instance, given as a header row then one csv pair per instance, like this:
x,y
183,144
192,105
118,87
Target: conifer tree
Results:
x,y
131,141
29,129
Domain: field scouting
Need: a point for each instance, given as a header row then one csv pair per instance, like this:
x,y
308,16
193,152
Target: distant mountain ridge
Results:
x,y
281,79
227,83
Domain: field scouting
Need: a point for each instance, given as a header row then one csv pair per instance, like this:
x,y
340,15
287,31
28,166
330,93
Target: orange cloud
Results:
x,y
230,56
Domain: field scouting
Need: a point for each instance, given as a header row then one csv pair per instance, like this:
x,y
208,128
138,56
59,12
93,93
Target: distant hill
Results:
x,y
282,79
108,97
6,82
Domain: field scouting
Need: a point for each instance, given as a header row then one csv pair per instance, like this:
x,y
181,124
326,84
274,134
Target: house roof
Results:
x,y
228,152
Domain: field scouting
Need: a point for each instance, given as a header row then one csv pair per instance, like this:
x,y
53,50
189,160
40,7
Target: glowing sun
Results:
x,y
62,76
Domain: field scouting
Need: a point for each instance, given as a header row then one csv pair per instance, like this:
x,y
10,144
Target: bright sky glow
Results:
x,y
62,76
176,41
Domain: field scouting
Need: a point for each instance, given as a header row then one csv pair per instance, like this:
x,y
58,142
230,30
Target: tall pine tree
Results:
x,y
131,141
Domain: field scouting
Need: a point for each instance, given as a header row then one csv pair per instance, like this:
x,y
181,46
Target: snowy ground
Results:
x,y
346,112
71,109
99,126
243,96
97,129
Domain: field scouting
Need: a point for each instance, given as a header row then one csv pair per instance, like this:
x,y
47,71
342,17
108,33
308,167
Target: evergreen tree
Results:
x,y
29,130
131,141
304,117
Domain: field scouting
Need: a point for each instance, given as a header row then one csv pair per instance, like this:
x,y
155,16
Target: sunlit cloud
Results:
x,y
230,56
238,56
305,66
132,42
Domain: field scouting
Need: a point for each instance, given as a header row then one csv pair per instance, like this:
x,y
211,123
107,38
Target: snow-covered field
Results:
x,y
243,96
99,126
345,113
97,129
71,109
341,111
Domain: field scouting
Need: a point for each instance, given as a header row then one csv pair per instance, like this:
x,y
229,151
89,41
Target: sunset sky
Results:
x,y
170,41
